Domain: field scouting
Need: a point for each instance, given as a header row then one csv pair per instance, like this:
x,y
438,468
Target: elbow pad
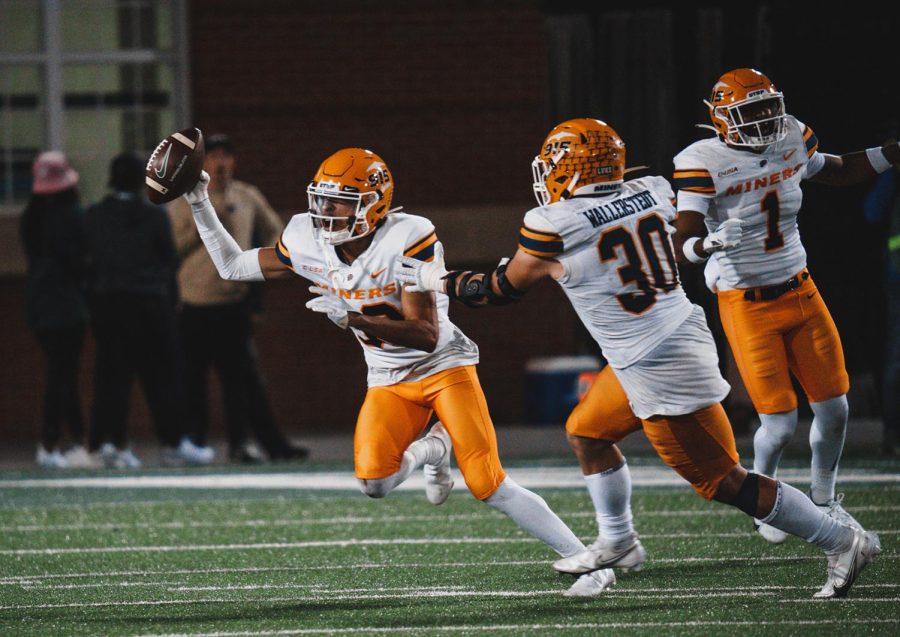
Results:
x,y
463,286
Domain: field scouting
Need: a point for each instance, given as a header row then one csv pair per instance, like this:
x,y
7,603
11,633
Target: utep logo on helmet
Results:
x,y
555,147
379,177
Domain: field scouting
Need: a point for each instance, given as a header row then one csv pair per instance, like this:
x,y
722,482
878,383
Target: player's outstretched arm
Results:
x,y
853,168
232,263
499,286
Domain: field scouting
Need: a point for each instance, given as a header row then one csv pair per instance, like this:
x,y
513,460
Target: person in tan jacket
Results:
x,y
215,321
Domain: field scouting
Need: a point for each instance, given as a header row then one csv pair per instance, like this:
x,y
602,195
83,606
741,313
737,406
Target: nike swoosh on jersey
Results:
x,y
788,154
375,274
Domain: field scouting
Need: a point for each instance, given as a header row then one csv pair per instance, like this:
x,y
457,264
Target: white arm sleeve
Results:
x,y
231,262
692,201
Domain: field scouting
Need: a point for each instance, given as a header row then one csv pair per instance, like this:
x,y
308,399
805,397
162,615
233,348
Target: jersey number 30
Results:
x,y
663,280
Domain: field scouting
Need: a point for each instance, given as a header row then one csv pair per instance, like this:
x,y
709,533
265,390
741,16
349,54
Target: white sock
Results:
x,y
611,493
774,433
531,513
826,440
794,513
426,450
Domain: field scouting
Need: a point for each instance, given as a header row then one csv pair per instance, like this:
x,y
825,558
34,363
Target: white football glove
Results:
x,y
331,306
198,193
423,276
727,235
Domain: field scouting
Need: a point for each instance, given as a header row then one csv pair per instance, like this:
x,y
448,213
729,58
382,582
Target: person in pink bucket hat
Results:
x,y
51,173
55,307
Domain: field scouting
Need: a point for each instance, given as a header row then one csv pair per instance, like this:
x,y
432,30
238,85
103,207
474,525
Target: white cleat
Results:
x,y
591,584
836,512
844,568
628,555
113,458
769,533
127,460
79,458
50,459
186,453
438,481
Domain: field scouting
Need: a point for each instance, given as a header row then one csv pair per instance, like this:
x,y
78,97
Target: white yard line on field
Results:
x,y
540,628
180,548
297,522
30,579
354,596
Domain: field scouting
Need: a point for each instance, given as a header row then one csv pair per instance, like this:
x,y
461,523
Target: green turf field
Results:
x,y
86,561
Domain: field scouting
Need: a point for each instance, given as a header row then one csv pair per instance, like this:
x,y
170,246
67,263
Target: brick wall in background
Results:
x,y
451,93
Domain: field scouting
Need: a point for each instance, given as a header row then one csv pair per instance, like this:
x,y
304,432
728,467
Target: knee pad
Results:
x,y
375,488
831,415
747,497
779,428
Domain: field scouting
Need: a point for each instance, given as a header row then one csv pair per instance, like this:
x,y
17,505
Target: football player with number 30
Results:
x,y
745,184
419,362
606,241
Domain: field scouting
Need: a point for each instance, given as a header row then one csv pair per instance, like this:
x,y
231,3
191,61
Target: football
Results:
x,y
175,165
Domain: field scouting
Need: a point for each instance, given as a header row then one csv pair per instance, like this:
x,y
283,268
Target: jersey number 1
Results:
x,y
633,270
771,207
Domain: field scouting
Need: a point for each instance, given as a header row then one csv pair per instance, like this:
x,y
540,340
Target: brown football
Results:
x,y
175,165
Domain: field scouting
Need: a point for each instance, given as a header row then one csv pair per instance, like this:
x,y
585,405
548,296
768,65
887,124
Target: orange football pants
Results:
x,y
698,446
393,416
793,333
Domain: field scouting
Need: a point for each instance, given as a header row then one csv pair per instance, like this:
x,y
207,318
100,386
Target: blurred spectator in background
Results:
x,y
882,207
54,304
131,267
216,326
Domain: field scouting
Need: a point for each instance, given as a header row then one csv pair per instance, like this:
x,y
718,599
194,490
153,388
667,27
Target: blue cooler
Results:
x,y
551,387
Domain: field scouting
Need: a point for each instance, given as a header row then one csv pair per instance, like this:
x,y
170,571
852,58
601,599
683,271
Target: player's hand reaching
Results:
x,y
198,193
331,306
727,235
423,276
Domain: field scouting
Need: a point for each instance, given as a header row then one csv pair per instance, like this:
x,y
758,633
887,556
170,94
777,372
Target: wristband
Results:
x,y
876,157
688,249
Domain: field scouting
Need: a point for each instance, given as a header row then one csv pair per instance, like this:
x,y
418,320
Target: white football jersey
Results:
x,y
761,189
368,286
620,273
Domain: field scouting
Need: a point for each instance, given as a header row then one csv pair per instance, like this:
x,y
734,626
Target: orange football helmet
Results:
x,y
352,175
746,109
579,157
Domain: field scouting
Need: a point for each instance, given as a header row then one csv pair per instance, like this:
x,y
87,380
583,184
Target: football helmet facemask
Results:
x,y
579,157
356,176
746,109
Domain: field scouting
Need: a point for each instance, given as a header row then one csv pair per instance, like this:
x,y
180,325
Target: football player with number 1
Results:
x,y
746,182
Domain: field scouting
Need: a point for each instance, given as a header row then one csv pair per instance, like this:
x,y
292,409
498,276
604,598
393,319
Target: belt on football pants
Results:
x,y
772,292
